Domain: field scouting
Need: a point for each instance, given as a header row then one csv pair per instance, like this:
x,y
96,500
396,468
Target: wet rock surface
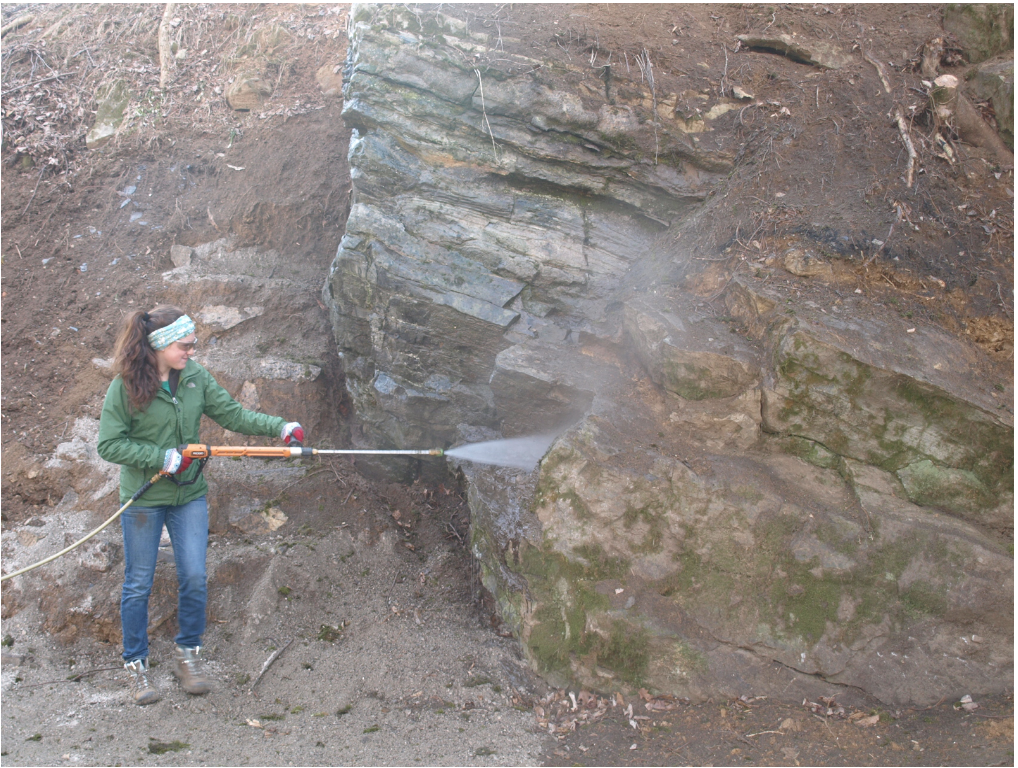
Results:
x,y
774,498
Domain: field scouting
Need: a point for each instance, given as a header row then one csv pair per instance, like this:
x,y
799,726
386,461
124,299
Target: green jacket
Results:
x,y
138,440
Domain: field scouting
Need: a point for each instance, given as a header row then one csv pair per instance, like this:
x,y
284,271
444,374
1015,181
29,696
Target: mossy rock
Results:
x,y
112,102
982,29
929,485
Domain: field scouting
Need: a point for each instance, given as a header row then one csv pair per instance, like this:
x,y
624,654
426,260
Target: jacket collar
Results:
x,y
191,370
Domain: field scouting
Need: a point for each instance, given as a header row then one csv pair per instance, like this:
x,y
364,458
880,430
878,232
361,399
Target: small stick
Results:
x,y
38,82
75,678
886,239
455,533
340,480
907,139
877,65
268,663
34,191
480,86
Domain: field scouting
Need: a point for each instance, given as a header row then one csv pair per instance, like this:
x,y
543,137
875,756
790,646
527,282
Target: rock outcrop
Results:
x,y
492,206
775,500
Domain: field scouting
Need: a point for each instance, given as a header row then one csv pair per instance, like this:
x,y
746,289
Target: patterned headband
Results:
x,y
178,329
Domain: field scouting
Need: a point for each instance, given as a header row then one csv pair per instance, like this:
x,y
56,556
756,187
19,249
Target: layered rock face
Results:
x,y
490,210
820,499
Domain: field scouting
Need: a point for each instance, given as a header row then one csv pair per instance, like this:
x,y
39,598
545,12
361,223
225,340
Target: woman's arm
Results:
x,y
115,443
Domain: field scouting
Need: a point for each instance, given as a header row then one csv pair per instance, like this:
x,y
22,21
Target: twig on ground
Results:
x,y
906,137
876,64
890,232
450,527
41,171
999,296
39,82
336,473
304,477
73,679
268,663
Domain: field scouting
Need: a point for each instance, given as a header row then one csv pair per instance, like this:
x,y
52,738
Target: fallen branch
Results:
x,y
906,137
165,52
18,22
38,82
268,663
876,64
890,232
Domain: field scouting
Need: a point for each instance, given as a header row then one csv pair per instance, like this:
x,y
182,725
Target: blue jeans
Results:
x,y
188,526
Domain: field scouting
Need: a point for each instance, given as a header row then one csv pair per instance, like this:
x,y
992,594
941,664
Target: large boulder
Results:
x,y
982,29
993,81
696,576
747,494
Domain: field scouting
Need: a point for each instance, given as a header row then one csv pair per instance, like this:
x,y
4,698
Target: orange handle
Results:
x,y
197,451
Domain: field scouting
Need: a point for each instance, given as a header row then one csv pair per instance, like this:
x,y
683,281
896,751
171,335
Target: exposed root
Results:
x,y
907,139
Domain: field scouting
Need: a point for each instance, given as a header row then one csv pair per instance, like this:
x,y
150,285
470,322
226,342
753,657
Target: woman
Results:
x,y
153,406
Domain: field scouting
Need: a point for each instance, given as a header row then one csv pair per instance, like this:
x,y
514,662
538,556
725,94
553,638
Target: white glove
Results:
x,y
172,461
292,431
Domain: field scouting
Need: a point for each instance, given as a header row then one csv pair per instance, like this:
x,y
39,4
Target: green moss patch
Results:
x,y
626,652
798,601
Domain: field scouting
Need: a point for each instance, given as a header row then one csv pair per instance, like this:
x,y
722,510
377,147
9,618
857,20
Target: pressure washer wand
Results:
x,y
137,495
197,451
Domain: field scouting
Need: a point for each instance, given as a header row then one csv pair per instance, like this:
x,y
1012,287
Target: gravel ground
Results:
x,y
383,659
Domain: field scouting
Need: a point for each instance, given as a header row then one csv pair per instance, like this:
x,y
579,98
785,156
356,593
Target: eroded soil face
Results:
x,y
87,234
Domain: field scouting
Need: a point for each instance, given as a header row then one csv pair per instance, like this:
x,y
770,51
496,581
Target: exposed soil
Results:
x,y
438,682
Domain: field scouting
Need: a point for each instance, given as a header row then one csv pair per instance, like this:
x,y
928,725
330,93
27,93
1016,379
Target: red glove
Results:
x,y
292,431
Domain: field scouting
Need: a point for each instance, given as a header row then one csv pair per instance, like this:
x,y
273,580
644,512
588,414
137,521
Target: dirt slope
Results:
x,y
408,619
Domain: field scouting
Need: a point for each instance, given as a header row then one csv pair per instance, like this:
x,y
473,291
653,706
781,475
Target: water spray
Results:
x,y
518,453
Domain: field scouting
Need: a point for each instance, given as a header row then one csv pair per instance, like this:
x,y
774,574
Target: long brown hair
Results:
x,y
133,357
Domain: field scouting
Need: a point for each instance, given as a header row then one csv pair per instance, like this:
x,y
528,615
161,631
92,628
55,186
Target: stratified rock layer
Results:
x,y
818,500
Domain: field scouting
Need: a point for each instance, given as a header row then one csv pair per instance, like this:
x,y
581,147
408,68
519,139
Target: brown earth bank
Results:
x,y
389,652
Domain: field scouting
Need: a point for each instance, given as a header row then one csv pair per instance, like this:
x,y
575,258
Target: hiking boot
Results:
x,y
185,667
142,689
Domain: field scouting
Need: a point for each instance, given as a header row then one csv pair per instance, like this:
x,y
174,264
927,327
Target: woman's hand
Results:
x,y
174,463
292,431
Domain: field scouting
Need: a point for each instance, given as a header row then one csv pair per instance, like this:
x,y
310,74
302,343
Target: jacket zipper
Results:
x,y
180,433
